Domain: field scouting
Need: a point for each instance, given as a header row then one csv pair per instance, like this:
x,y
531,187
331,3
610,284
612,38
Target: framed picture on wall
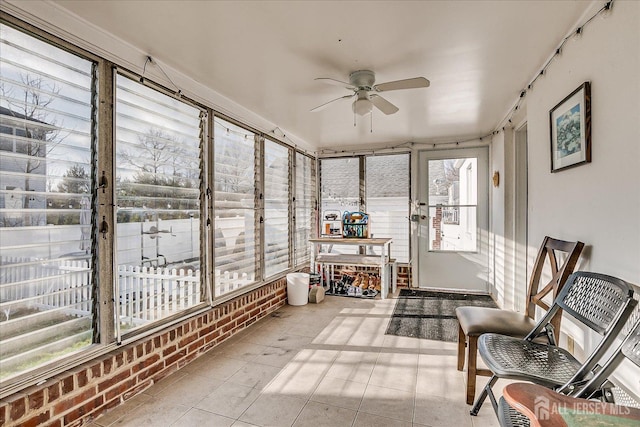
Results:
x,y
570,123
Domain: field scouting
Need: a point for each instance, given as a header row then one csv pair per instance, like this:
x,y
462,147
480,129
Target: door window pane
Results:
x,y
158,204
46,203
235,205
453,198
276,208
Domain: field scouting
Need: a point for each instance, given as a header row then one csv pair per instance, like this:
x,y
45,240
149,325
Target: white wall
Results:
x,y
597,203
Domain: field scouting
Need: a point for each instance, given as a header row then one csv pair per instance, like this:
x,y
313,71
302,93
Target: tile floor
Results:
x,y
327,364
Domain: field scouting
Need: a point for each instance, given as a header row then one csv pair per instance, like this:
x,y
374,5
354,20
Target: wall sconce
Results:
x,y
496,179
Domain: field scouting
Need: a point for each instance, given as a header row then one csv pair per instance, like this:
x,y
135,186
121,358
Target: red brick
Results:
x,y
82,378
174,358
119,389
145,363
109,382
139,350
119,360
129,354
107,365
137,389
96,370
150,372
157,341
17,406
36,399
67,384
193,347
77,400
164,373
187,340
55,423
169,350
148,347
3,413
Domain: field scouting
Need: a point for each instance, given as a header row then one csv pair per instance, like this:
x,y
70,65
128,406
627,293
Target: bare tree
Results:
x,y
28,104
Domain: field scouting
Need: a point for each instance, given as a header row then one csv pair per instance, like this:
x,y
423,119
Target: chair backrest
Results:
x,y
628,349
550,251
602,303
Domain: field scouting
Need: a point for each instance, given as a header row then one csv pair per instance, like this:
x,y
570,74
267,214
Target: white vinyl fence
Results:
x,y
145,293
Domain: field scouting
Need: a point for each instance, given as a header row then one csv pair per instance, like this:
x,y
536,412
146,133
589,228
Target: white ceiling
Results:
x,y
264,55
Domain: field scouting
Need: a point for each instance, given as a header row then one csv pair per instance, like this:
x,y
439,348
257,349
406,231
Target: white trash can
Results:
x,y
297,288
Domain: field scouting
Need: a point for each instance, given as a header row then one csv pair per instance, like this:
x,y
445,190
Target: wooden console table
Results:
x,y
388,275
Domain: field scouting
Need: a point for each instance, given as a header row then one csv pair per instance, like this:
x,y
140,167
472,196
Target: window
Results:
x,y
304,207
453,204
378,185
46,209
339,191
158,204
235,206
387,201
276,208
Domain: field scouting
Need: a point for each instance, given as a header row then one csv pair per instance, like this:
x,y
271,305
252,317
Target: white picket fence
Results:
x,y
32,282
145,293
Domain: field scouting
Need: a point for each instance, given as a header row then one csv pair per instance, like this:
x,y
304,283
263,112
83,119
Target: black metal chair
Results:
x,y
600,302
598,387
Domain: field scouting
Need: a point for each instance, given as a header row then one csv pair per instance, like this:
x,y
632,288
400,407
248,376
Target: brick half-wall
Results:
x,y
80,395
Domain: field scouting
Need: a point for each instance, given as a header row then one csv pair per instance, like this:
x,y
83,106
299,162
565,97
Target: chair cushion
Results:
x,y
480,320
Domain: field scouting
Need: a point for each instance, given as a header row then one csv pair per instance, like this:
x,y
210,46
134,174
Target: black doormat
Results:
x,y
431,315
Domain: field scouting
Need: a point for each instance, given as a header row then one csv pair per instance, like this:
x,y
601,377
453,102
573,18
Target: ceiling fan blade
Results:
x,y
335,82
383,105
413,83
323,106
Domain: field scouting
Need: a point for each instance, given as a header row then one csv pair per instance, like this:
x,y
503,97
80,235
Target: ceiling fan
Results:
x,y
362,84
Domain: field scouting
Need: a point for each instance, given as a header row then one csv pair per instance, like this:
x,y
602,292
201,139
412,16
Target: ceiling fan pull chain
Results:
x,y
354,119
371,126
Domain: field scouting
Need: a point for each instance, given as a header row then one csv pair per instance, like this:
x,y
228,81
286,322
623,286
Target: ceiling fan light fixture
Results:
x,y
362,106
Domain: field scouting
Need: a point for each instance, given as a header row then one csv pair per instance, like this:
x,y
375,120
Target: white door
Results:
x,y
453,219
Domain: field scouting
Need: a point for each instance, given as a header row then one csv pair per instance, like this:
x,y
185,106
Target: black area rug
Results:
x,y
431,315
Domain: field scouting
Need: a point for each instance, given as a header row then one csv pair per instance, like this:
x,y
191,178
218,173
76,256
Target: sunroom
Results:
x,y
165,165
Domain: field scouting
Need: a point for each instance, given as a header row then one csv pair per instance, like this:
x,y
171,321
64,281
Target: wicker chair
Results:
x,y
597,387
602,303
475,321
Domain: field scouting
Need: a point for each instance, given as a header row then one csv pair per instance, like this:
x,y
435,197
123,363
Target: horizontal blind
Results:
x,y
46,216
158,150
304,204
276,207
235,205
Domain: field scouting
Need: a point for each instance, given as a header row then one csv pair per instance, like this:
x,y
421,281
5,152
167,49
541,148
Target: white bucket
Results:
x,y
297,288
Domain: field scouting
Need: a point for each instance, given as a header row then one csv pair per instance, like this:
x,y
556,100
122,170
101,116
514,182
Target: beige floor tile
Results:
x,y
242,350
388,402
437,411
254,375
316,414
229,400
198,417
189,390
217,367
243,424
275,356
369,420
118,412
341,393
353,366
273,410
396,370
438,376
152,413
